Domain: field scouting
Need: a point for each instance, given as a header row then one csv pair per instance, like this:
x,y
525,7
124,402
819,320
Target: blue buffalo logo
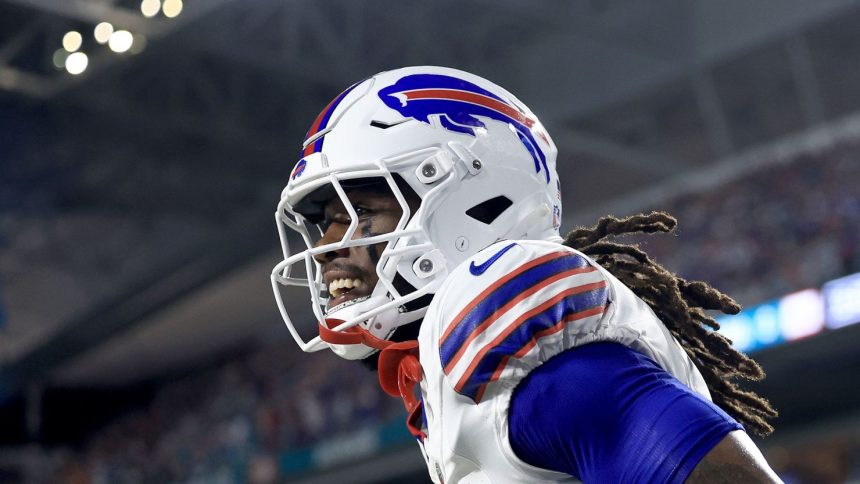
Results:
x,y
299,169
458,104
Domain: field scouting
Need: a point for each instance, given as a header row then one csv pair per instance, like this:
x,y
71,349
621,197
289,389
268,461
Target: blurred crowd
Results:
x,y
786,227
233,423
832,457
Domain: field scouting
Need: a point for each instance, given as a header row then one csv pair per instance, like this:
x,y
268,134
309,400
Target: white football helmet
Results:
x,y
479,160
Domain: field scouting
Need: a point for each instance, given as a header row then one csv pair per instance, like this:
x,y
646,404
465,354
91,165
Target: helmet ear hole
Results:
x,y
489,210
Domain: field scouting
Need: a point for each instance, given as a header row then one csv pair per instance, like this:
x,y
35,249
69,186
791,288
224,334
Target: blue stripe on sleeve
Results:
x,y
525,332
501,296
606,413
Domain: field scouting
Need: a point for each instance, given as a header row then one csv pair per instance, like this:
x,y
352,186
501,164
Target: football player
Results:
x,y
428,206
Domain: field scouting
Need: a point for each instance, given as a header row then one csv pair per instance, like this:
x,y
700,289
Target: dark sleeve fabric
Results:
x,y
606,413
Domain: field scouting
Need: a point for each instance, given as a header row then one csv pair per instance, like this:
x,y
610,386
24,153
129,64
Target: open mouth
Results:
x,y
344,290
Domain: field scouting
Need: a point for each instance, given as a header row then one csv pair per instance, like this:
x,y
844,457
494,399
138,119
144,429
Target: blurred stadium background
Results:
x,y
141,162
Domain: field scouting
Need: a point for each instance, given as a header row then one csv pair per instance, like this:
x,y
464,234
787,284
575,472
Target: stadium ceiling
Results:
x,y
165,165
570,59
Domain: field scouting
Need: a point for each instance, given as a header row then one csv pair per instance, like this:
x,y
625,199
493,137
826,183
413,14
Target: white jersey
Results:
x,y
501,314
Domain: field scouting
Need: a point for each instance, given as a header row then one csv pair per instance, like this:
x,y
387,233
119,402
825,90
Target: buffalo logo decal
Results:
x,y
458,104
299,169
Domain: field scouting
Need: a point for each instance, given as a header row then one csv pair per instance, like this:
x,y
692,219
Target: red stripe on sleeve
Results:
x,y
486,292
502,310
518,322
525,349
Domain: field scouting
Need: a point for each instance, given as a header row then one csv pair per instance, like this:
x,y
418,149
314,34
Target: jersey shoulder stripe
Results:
x,y
504,293
520,337
536,299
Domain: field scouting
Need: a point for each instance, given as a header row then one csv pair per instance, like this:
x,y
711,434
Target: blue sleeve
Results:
x,y
606,413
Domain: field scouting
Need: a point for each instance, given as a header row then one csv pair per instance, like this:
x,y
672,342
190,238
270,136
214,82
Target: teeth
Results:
x,y
338,286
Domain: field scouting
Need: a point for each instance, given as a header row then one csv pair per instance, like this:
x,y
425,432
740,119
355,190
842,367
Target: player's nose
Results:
x,y
332,235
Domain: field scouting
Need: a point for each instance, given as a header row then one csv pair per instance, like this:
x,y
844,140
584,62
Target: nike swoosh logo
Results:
x,y
477,270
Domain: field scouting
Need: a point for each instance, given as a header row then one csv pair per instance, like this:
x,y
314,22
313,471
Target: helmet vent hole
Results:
x,y
489,210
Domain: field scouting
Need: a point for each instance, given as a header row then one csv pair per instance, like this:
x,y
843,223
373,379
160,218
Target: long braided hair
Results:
x,y
680,305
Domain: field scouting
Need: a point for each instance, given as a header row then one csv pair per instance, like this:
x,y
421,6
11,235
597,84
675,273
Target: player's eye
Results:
x,y
343,218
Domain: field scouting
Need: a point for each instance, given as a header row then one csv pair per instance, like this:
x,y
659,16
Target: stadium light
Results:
x,y
801,314
76,63
171,8
150,8
842,301
795,316
120,41
72,41
102,32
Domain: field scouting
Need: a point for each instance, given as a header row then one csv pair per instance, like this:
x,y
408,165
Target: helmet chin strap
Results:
x,y
358,342
350,336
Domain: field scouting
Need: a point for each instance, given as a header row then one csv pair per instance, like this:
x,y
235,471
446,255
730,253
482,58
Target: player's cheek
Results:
x,y
388,225
331,235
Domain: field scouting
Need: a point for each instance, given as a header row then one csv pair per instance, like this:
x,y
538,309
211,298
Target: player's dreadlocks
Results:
x,y
680,304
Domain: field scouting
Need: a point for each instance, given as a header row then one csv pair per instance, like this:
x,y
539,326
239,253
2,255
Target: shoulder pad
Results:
x,y
504,301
